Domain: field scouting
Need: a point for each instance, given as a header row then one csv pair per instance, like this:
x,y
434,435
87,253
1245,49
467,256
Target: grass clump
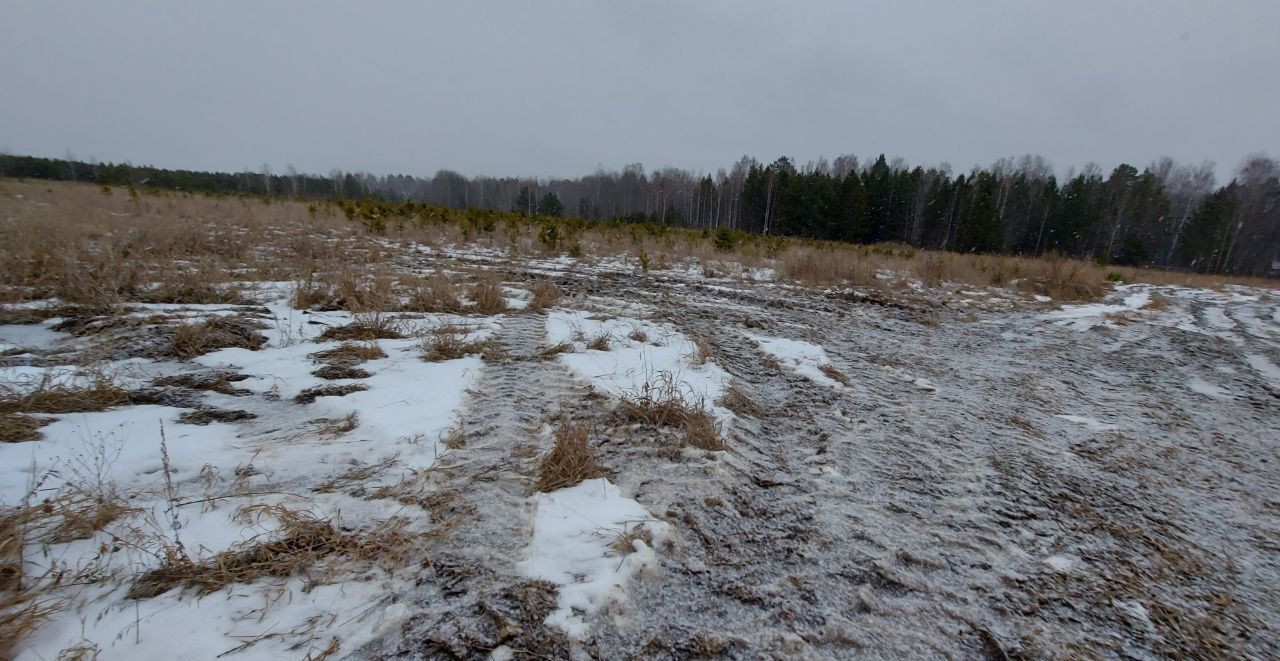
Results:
x,y
335,390
662,403
545,295
1157,303
219,382
205,416
306,540
551,351
334,372
365,328
570,461
599,342
624,540
50,396
450,346
349,354
435,294
191,340
488,297
737,400
834,374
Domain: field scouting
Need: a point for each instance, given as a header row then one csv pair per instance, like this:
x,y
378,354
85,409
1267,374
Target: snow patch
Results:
x,y
805,358
573,531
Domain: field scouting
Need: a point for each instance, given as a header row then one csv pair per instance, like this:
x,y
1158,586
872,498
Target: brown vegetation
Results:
x,y
488,297
662,403
349,354
545,295
191,340
366,327
570,461
305,541
335,390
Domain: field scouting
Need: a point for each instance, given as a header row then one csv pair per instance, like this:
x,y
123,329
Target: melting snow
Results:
x,y
573,531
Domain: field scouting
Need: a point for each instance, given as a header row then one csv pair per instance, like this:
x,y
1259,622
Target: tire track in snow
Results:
x,y
479,599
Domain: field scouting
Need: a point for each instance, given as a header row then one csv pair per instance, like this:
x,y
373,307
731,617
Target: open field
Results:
x,y
260,430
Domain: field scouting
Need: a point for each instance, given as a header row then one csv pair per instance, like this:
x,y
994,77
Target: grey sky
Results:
x,y
557,88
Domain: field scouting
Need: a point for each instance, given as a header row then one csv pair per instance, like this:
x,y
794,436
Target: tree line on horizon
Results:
x,y
1166,215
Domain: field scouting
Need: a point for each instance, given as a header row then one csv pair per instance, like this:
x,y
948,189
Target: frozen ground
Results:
x,y
926,475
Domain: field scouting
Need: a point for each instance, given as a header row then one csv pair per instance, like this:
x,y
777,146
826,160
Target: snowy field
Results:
x,y
963,473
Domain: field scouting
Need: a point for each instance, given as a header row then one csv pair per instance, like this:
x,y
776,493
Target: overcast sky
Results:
x,y
558,88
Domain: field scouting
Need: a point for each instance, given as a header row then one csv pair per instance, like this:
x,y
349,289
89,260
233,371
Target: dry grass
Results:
x,y
545,295
349,354
737,400
335,390
450,346
346,289
834,374
434,294
219,382
366,327
813,266
70,241
191,340
15,428
488,297
305,541
662,403
94,391
26,601
638,335
334,372
702,351
200,287
554,350
599,342
570,461
206,416
624,540
335,427
1157,302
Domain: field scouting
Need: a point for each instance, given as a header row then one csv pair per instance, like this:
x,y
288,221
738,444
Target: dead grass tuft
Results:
x,y
702,351
219,382
15,428
662,403
624,540
549,352
349,354
834,374
545,295
335,390
488,297
737,400
334,372
434,294
193,290
191,340
306,541
366,327
96,392
570,461
599,342
638,335
206,416
1157,302
335,427
450,346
